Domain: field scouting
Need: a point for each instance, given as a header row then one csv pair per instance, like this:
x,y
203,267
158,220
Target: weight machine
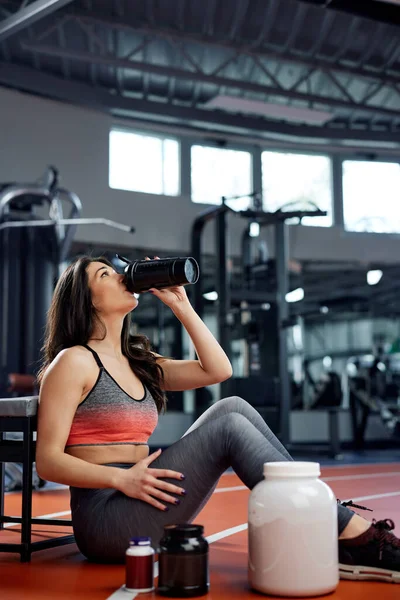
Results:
x,y
374,389
33,251
276,389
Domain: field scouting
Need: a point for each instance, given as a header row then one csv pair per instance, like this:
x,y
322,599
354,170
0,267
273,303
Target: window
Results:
x,y
371,196
144,163
218,172
299,179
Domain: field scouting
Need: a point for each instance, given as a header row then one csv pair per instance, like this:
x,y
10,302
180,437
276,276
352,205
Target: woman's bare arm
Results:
x,y
60,393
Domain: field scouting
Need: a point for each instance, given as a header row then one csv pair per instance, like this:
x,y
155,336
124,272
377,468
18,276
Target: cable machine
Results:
x,y
32,252
227,296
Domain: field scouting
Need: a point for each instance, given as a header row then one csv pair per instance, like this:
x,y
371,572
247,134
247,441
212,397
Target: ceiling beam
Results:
x,y
218,81
29,80
247,48
28,16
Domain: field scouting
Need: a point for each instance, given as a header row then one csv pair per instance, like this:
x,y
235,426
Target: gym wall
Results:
x,y
37,132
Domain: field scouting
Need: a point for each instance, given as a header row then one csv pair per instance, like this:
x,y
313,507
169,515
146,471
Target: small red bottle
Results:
x,y
139,565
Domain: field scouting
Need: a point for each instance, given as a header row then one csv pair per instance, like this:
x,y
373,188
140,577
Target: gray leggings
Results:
x,y
231,433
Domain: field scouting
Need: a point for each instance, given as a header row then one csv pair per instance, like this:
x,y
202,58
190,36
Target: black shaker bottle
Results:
x,y
141,275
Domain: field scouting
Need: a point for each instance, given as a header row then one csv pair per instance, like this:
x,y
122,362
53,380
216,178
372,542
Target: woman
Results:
x,y
101,392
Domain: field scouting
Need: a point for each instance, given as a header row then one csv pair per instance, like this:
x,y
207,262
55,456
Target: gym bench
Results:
x,y
20,415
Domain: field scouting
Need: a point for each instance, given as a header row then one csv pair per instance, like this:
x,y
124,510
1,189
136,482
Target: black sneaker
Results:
x,y
375,554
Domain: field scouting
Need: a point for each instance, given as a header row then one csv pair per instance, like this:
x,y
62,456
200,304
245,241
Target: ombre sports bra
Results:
x,y
110,416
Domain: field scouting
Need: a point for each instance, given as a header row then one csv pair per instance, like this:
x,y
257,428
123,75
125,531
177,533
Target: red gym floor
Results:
x,y
64,573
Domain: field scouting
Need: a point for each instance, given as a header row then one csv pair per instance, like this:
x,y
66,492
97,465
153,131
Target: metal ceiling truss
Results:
x,y
27,14
98,98
228,73
260,47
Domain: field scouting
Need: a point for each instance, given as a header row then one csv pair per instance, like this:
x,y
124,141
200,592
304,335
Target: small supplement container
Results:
x,y
139,565
183,562
293,532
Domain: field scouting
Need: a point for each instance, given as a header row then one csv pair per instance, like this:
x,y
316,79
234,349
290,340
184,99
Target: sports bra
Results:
x,y
110,416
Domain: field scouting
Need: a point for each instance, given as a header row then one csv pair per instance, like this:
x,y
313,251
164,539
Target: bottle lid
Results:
x,y
291,469
184,530
140,541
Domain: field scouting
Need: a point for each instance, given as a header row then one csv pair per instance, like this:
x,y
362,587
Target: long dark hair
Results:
x,y
71,320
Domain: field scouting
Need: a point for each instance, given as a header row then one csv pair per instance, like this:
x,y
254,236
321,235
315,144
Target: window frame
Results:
x,y
337,156
211,143
367,157
308,153
153,134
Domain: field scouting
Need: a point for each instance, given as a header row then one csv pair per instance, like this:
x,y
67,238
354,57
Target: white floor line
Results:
x,y
215,537
362,476
239,488
236,488
43,490
56,488
51,516
374,497
333,478
122,594
360,465
345,466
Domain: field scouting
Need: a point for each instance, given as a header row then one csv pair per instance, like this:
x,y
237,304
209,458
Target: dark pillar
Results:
x,y
223,302
282,276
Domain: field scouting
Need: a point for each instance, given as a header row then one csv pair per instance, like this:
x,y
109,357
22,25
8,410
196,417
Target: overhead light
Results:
x,y
327,362
374,277
295,295
324,310
211,296
351,369
254,229
268,109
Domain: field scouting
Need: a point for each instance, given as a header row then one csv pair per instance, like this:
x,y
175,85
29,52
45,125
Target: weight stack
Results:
x,y
28,272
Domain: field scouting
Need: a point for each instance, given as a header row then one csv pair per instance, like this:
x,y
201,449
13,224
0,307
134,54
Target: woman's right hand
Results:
x,y
142,483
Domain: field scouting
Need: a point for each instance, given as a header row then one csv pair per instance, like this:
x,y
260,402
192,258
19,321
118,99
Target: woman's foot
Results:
x,y
369,550
355,527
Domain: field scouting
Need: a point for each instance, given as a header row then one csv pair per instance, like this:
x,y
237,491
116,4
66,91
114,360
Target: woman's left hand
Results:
x,y
174,297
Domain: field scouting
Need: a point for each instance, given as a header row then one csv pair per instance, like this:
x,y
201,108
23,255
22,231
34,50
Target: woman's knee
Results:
x,y
233,403
235,421
236,404
230,429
